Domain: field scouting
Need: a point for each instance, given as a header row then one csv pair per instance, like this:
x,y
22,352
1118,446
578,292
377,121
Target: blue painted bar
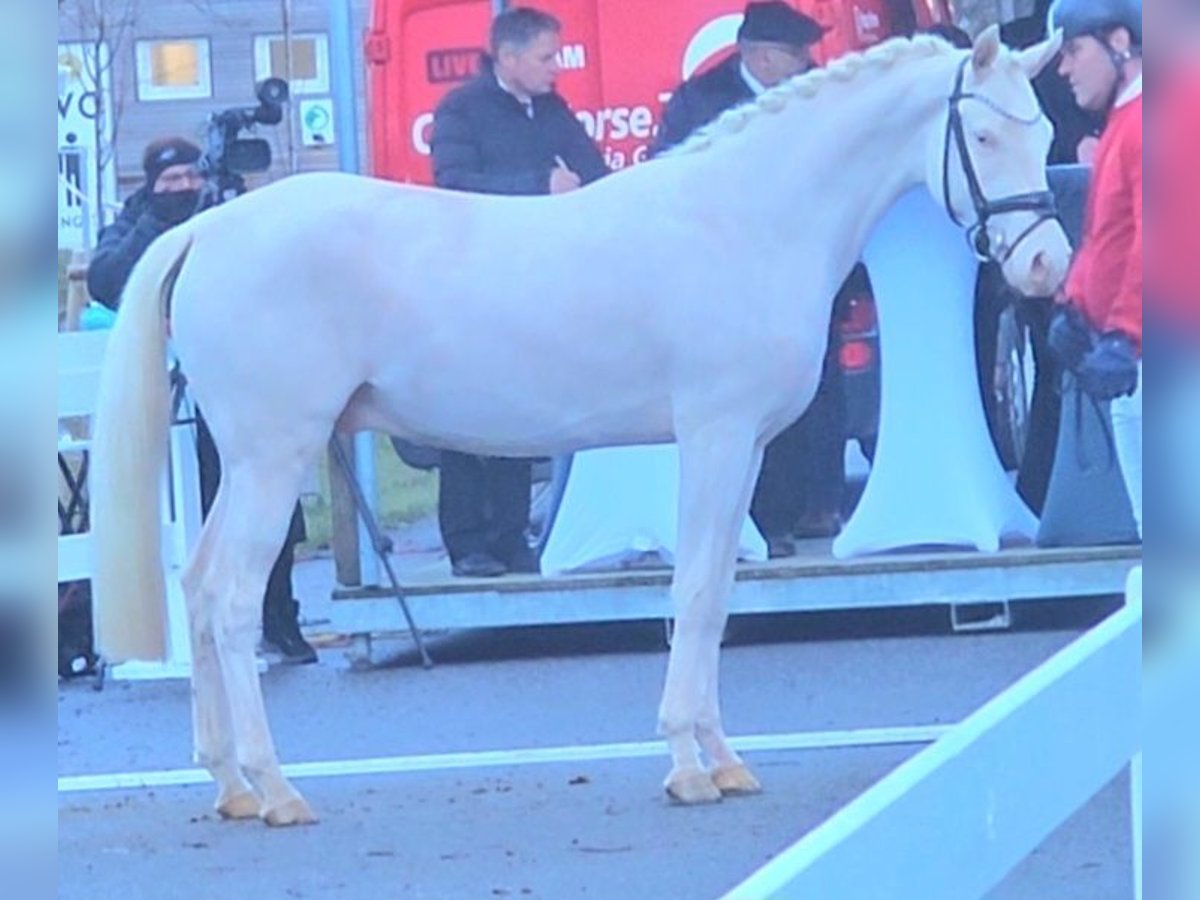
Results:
x,y
951,822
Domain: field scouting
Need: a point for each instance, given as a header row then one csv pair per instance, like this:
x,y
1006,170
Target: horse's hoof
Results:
x,y
692,787
295,812
735,781
245,805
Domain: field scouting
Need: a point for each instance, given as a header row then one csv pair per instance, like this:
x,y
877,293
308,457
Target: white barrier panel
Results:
x,y
936,479
951,822
80,355
620,503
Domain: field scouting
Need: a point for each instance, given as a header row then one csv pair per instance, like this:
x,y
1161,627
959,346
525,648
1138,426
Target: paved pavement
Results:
x,y
596,828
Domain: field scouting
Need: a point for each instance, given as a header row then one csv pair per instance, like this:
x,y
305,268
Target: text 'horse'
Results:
x,y
687,300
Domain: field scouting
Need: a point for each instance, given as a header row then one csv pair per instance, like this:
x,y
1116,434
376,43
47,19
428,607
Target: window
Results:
x,y
310,61
174,69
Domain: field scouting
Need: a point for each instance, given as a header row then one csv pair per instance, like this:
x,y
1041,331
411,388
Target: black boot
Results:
x,y
281,633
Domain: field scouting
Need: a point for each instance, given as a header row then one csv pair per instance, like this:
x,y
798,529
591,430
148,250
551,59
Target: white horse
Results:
x,y
683,300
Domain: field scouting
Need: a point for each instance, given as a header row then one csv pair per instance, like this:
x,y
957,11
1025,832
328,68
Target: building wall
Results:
x,y
230,27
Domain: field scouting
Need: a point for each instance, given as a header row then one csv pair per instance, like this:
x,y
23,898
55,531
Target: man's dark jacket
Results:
x,y
484,141
701,99
120,246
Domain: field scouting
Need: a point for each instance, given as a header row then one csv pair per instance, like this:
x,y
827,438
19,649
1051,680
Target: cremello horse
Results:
x,y
684,300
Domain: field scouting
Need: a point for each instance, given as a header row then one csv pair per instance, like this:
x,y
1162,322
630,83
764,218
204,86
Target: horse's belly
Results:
x,y
515,422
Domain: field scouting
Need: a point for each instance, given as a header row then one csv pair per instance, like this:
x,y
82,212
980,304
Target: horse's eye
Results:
x,y
985,139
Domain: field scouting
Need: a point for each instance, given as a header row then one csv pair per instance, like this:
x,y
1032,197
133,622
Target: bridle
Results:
x,y
1039,202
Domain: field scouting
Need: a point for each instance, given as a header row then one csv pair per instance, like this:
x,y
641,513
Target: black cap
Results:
x,y
167,152
779,23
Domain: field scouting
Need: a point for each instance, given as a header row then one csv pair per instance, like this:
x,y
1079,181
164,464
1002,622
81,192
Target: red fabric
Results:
x,y
1106,278
1174,185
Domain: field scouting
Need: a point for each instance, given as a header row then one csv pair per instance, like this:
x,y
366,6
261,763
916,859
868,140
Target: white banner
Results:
x,y
84,139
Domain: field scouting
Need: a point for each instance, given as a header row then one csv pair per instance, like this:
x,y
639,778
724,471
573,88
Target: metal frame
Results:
x,y
821,584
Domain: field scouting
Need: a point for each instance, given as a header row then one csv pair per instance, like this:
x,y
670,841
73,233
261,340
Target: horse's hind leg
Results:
x,y
714,462
259,501
212,726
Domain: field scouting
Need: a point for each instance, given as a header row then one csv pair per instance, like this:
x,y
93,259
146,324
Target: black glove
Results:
x,y
173,207
1111,368
1069,335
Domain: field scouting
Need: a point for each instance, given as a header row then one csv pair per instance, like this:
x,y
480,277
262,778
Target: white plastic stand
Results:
x,y
936,479
621,503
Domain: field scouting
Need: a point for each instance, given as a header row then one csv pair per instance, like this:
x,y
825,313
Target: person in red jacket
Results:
x,y
1098,330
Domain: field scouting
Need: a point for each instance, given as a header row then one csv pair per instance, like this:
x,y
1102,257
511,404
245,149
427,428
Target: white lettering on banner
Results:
x,y
572,57
610,124
420,133
84,131
617,123
866,23
711,38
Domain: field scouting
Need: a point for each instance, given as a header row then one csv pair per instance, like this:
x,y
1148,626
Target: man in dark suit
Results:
x,y
505,132
799,490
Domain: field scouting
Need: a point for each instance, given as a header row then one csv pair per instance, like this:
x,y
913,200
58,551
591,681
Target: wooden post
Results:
x,y
344,519
77,296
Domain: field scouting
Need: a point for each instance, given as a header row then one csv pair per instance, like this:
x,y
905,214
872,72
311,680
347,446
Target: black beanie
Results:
x,y
166,152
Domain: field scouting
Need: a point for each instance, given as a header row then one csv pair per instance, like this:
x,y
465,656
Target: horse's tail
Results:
x,y
129,451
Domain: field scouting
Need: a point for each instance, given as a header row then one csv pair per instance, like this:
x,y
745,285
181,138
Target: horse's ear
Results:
x,y
986,49
1034,59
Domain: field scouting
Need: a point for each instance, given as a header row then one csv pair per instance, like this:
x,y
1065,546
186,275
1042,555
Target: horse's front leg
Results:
x,y
716,463
729,773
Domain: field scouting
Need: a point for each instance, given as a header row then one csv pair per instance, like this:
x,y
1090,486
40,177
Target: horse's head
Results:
x,y
987,163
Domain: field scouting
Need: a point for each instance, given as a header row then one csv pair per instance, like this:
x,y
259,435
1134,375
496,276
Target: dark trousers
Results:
x,y
277,600
803,471
483,506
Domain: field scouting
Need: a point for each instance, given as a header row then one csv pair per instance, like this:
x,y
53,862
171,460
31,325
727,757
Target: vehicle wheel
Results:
x,y
1012,389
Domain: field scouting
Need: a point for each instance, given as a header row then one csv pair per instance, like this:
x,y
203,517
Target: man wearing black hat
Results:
x,y
171,196
799,489
774,43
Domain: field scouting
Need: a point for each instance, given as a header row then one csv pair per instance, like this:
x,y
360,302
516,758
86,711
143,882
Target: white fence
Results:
x,y
80,354
956,818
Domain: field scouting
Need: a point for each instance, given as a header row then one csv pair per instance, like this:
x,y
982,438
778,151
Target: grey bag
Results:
x,y
1087,504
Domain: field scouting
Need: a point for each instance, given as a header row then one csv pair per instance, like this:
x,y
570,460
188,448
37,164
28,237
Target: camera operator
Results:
x,y
175,190
170,195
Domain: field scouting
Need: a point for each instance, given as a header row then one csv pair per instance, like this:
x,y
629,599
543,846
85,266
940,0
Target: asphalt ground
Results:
x,y
592,826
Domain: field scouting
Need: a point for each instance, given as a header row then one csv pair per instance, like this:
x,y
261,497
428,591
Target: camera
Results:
x,y
227,157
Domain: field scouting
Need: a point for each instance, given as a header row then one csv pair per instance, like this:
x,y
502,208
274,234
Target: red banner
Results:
x,y
620,61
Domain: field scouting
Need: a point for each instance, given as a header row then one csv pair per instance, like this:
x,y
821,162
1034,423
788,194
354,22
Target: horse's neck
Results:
x,y
820,173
